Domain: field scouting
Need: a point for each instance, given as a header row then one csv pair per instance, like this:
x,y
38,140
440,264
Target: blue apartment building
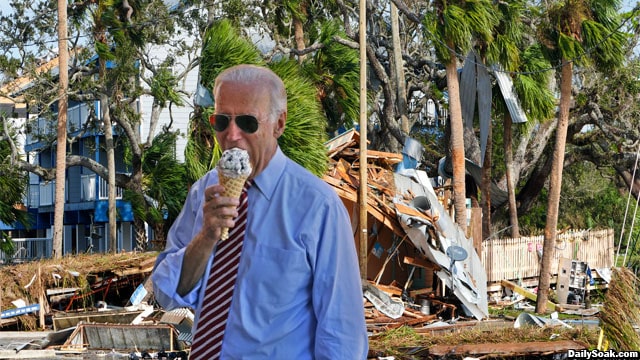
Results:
x,y
86,194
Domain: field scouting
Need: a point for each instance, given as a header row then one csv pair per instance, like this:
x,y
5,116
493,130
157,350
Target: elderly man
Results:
x,y
294,289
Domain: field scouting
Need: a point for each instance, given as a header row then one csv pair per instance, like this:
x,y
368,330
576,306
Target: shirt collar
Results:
x,y
267,180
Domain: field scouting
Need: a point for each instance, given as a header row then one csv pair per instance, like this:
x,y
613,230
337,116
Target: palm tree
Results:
x,y
503,51
538,101
451,27
335,72
163,190
531,85
13,185
580,32
61,148
304,137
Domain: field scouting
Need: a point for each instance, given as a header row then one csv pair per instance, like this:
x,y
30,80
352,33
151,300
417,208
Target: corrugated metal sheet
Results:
x,y
484,105
468,90
121,337
468,276
182,320
509,94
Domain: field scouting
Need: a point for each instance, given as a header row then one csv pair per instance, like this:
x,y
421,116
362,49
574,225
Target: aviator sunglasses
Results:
x,y
246,123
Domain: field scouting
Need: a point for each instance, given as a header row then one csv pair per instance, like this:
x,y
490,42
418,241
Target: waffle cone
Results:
x,y
232,188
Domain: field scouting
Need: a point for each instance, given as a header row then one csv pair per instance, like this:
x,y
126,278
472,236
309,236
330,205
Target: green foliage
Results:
x,y
536,217
582,190
335,70
163,88
606,44
164,182
13,187
305,133
536,99
7,246
235,9
589,200
304,136
458,23
584,31
13,184
224,47
571,49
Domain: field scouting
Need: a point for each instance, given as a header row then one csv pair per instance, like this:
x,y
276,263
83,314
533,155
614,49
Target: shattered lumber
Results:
x,y
528,294
421,263
508,349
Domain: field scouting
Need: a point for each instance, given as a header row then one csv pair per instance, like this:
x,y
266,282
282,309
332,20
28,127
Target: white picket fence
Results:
x,y
518,259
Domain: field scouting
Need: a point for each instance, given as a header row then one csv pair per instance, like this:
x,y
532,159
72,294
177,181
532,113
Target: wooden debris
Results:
x,y
508,349
529,295
421,263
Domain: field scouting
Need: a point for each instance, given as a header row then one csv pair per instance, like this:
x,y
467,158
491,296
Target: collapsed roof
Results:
x,y
405,202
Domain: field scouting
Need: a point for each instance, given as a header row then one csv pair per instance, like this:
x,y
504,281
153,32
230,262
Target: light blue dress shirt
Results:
x,y
298,294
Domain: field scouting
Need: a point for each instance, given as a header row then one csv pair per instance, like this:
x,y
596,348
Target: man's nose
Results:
x,y
233,131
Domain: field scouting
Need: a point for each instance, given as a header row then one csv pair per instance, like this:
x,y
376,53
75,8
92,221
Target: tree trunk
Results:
x,y
555,184
111,167
298,32
141,235
399,70
632,183
61,149
511,191
457,142
486,186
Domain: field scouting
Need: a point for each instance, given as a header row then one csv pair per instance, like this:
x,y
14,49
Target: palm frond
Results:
x,y
571,49
457,28
482,18
335,70
305,133
606,47
537,99
620,310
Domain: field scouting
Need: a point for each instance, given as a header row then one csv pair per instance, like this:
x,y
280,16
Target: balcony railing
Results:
x,y
43,194
88,190
47,193
29,249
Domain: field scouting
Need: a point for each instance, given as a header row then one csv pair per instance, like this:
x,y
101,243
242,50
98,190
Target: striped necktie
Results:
x,y
207,342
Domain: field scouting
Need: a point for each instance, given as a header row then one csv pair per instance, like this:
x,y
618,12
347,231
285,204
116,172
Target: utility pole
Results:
x,y
362,192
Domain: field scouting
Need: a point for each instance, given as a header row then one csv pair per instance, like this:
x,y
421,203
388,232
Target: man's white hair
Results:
x,y
253,75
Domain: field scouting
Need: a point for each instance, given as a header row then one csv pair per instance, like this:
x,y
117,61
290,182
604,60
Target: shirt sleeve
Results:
x,y
337,289
166,274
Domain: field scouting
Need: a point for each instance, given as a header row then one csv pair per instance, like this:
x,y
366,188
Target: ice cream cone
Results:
x,y
232,188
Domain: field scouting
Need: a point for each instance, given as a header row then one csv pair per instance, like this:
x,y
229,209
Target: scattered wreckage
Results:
x,y
422,271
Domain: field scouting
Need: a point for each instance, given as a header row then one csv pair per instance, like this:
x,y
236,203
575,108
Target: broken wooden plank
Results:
x,y
386,157
430,329
508,349
389,289
431,215
528,294
414,293
425,264
343,168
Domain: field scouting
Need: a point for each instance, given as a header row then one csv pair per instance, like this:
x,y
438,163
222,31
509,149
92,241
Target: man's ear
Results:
x,y
278,130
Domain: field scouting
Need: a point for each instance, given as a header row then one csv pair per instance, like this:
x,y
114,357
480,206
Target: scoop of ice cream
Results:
x,y
234,163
